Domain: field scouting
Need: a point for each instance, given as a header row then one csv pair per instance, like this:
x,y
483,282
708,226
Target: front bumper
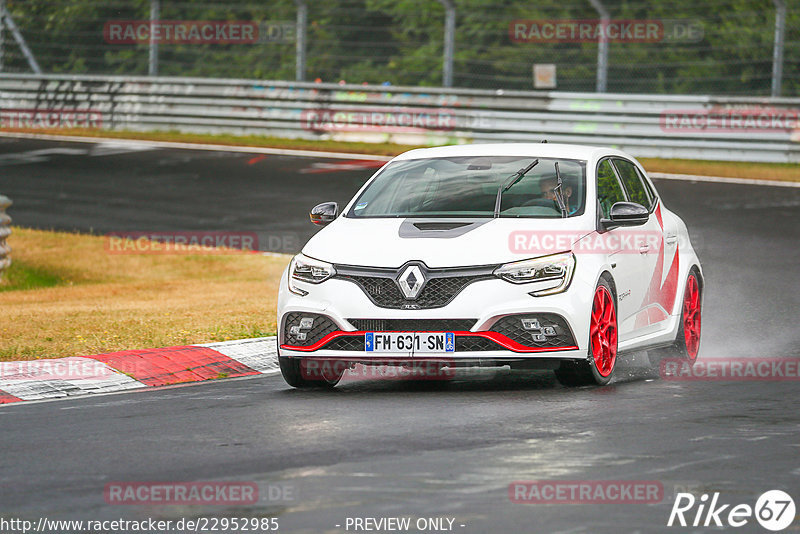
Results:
x,y
486,305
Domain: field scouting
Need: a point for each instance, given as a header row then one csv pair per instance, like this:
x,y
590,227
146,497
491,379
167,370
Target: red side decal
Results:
x,y
670,286
5,398
658,293
174,365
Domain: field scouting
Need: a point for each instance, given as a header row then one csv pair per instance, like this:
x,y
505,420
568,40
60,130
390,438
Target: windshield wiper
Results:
x,y
506,186
559,194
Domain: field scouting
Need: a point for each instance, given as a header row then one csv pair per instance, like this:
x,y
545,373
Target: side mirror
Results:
x,y
324,213
626,214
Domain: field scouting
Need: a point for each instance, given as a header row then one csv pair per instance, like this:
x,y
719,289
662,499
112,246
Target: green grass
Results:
x,y
22,276
65,295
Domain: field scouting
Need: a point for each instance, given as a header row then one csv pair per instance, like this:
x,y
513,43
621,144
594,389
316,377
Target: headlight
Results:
x,y
557,268
305,269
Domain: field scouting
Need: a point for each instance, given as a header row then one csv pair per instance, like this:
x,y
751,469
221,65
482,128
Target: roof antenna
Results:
x,y
544,140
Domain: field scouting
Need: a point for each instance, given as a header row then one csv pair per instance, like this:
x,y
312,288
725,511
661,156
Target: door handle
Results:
x,y
643,249
671,238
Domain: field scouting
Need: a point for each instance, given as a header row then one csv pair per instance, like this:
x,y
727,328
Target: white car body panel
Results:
x,y
652,283
364,242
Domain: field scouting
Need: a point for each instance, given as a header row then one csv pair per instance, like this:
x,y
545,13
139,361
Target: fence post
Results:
x,y
777,53
301,33
5,230
602,46
449,42
2,34
155,15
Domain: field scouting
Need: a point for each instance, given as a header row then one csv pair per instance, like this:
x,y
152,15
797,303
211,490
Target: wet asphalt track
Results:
x,y
396,448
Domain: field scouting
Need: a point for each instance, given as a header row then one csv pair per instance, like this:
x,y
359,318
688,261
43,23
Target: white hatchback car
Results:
x,y
530,255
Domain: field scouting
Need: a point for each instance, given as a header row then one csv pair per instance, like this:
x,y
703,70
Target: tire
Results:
x,y
598,367
296,374
687,342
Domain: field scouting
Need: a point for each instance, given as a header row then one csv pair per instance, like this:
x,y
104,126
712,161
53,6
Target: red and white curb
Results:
x,y
132,369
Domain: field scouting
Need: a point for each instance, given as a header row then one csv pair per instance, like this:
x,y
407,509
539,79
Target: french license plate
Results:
x,y
409,342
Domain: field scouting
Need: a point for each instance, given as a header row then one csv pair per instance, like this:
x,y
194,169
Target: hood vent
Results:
x,y
428,226
438,229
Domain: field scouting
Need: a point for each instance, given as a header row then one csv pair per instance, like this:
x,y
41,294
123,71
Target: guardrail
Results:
x,y
5,231
691,127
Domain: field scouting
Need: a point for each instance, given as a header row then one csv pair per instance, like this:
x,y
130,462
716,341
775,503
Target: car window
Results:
x,y
467,186
650,191
608,188
633,183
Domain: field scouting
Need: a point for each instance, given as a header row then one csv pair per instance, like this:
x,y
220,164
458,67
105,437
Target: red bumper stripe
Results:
x,y
161,367
497,337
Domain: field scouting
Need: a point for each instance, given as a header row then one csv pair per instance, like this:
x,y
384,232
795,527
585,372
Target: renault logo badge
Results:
x,y
411,281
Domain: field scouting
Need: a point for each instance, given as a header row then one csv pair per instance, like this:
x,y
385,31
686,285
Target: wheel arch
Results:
x,y
695,268
605,273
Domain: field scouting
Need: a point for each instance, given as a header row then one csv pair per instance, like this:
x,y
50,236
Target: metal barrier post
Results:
x,y
777,53
2,34
301,33
155,15
602,46
449,42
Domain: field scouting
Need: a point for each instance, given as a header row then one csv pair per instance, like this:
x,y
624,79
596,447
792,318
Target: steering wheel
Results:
x,y
543,202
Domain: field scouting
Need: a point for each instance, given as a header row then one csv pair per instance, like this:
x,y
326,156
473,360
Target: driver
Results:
x,y
548,185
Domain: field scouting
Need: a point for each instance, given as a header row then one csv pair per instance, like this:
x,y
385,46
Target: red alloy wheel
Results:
x,y
691,317
603,331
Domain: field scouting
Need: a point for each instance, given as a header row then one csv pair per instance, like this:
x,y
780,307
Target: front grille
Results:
x,y
352,343
355,343
512,327
437,292
321,326
412,325
476,344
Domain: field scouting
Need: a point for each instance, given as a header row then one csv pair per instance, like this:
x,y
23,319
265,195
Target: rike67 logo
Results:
x,y
774,510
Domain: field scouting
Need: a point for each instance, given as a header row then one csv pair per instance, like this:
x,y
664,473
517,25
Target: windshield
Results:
x,y
467,187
